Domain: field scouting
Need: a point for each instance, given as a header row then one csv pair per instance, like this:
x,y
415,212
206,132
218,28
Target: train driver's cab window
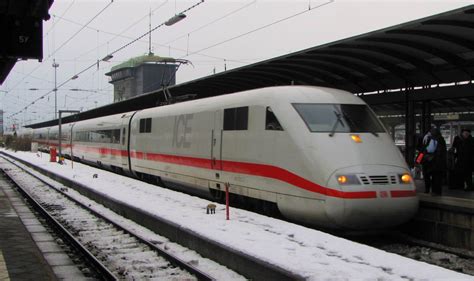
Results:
x,y
145,125
271,122
236,119
339,118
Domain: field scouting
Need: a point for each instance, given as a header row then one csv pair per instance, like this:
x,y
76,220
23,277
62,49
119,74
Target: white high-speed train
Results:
x,y
319,155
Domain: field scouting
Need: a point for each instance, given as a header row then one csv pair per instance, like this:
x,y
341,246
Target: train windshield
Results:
x,y
339,118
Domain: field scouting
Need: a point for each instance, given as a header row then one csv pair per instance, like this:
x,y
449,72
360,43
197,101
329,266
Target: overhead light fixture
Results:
x,y
33,89
175,19
107,58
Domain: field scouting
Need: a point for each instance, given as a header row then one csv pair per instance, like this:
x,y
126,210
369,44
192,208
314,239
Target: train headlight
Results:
x,y
347,179
405,178
356,138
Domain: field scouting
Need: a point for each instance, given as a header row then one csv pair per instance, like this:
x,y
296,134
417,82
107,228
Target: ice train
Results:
x,y
319,155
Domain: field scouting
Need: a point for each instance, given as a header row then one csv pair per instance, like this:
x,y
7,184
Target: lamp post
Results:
x,y
55,65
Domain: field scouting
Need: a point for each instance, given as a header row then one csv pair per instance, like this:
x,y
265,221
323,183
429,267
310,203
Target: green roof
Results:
x,y
136,61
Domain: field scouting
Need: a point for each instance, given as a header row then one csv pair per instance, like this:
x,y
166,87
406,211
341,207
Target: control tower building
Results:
x,y
142,74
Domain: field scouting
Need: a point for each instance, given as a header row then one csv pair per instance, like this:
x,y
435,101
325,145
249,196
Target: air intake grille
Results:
x,y
379,179
375,179
364,180
393,179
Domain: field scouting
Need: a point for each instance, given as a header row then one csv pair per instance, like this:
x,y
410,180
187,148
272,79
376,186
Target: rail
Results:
x,y
97,265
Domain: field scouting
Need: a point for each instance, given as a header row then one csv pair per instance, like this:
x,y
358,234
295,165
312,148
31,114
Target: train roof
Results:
x,y
268,96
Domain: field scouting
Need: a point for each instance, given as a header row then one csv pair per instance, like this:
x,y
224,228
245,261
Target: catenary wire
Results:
x,y
213,21
95,64
260,28
82,28
42,63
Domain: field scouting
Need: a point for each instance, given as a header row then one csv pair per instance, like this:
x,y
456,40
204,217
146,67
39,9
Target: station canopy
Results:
x,y
431,51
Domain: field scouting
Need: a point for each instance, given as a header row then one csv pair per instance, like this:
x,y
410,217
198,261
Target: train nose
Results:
x,y
372,197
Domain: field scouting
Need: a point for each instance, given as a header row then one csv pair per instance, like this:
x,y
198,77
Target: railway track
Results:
x,y
398,243
110,250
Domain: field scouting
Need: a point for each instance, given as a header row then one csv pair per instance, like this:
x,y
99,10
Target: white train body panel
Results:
x,y
188,144
103,141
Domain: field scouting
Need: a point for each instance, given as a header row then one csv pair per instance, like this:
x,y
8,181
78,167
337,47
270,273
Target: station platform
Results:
x,y
27,250
446,191
447,219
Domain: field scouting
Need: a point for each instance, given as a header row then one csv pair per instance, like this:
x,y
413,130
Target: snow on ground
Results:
x,y
210,267
307,252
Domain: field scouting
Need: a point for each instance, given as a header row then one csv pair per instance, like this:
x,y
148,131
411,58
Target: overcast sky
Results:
x,y
203,38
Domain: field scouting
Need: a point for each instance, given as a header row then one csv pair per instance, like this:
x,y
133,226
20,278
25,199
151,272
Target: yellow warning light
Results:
x,y
406,178
342,179
356,138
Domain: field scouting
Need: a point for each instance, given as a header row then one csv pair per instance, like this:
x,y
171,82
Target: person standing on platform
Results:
x,y
463,146
434,161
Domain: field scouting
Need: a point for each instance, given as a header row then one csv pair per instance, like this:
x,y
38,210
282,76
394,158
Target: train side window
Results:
x,y
145,125
271,121
229,119
148,125
123,136
116,136
142,126
236,119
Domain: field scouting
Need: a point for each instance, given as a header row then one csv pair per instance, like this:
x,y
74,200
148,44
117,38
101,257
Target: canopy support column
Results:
x,y
409,129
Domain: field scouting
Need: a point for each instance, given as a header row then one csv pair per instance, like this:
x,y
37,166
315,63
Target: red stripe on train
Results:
x,y
403,193
260,170
253,169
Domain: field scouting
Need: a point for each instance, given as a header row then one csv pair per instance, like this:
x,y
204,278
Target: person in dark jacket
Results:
x,y
434,161
463,148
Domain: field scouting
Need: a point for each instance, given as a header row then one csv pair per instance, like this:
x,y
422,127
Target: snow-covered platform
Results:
x,y
303,252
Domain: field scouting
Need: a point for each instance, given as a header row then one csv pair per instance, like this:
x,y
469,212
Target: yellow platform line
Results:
x,y
3,269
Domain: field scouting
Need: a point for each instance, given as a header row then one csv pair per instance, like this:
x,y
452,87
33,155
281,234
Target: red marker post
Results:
x,y
227,201
52,154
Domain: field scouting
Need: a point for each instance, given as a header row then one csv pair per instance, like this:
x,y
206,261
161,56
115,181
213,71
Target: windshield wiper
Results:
x,y
348,119
338,120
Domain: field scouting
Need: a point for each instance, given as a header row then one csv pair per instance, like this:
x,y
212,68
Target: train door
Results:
x,y
71,141
124,139
216,139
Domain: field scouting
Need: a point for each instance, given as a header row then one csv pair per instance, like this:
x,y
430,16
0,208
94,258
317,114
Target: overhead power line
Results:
x,y
62,45
80,29
116,35
62,15
106,58
129,37
213,21
153,29
260,28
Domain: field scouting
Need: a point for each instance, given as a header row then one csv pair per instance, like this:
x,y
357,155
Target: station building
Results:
x,y
142,74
